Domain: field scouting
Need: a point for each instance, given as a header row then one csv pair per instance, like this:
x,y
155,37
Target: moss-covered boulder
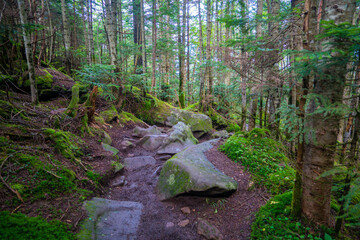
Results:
x,y
190,172
154,111
112,115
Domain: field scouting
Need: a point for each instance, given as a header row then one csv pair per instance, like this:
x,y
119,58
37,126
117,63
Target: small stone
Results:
x,y
130,155
186,210
184,223
207,230
170,224
118,182
126,143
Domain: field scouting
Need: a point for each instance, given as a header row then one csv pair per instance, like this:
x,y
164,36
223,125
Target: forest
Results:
x,y
179,119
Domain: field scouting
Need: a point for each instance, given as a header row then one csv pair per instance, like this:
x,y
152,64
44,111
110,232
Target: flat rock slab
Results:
x,y
110,219
138,162
190,172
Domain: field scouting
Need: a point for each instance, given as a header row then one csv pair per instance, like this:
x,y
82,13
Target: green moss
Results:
x,y
19,226
273,221
126,117
110,115
65,142
43,82
263,157
99,119
73,106
173,180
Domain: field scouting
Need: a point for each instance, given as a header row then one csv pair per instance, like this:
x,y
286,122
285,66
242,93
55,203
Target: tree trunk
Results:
x,y
90,36
66,37
28,52
138,60
208,70
319,152
110,20
181,49
252,119
202,78
154,39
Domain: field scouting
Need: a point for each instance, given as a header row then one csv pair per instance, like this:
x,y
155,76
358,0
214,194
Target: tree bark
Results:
x,y
28,52
138,59
181,49
154,39
254,106
319,152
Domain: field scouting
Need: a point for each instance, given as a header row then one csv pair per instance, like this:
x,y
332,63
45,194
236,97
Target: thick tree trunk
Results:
x,y
319,152
110,19
28,52
209,74
138,59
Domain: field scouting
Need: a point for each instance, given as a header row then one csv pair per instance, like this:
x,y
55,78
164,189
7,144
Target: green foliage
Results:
x,y
351,199
65,142
19,226
93,176
273,222
263,157
99,75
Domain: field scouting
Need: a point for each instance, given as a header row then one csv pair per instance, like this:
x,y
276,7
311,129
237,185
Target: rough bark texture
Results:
x,y
319,152
138,59
110,20
154,39
28,52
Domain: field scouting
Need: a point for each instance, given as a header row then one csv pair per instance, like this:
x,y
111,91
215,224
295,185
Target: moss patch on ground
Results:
x,y
264,157
20,226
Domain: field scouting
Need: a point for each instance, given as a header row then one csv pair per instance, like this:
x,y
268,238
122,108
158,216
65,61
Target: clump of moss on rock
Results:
x,y
65,142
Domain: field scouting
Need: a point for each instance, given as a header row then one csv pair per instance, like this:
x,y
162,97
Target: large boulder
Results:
x,y
154,111
142,132
190,172
152,142
180,138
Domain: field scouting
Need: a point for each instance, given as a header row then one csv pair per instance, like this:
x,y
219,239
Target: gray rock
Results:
x,y
220,134
152,142
120,181
170,224
142,132
106,138
190,171
198,122
109,148
180,138
138,162
117,166
108,219
207,230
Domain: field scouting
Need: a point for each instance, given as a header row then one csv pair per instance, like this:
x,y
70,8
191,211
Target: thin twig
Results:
x,y
7,185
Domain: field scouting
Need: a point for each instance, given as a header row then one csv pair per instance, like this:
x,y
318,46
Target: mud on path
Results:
x,y
160,220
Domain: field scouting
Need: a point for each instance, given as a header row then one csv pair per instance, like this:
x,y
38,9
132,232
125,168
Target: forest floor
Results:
x,y
162,219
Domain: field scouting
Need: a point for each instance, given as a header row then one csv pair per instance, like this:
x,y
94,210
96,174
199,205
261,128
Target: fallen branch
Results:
x,y
7,185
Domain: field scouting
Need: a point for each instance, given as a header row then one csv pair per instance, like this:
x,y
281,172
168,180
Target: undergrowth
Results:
x,y
263,157
20,226
273,221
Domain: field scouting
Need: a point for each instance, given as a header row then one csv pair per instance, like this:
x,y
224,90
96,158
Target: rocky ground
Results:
x,y
180,217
